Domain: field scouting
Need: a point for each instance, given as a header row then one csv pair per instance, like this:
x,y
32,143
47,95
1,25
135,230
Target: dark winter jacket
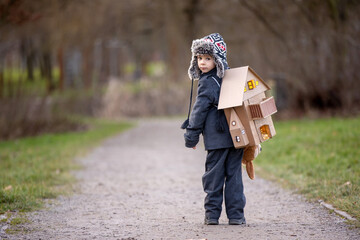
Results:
x,y
205,118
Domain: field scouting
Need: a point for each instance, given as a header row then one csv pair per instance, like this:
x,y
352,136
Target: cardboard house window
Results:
x,y
251,84
265,132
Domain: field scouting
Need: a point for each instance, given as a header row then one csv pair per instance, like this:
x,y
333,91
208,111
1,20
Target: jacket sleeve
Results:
x,y
204,101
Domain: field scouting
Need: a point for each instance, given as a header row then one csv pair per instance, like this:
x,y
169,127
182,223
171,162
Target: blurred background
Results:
x,y
121,59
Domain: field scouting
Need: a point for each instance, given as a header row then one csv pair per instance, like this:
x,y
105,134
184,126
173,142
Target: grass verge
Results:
x,y
319,158
37,168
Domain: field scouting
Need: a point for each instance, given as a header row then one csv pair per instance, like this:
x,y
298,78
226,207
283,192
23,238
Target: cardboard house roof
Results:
x,y
233,84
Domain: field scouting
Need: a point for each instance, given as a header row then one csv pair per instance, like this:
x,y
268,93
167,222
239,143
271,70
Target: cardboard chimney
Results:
x,y
247,109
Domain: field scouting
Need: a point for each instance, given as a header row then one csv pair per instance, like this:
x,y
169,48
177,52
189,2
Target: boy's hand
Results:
x,y
194,147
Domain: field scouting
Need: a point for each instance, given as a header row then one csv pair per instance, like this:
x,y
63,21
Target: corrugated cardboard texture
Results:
x,y
263,109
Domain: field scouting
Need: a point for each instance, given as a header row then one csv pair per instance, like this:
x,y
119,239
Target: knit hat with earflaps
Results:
x,y
212,45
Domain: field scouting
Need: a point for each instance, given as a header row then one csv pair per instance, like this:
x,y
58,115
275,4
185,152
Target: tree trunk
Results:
x,y
30,67
27,52
47,67
85,68
60,59
1,83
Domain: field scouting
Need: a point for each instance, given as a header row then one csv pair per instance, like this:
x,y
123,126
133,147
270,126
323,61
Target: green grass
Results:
x,y
37,168
319,158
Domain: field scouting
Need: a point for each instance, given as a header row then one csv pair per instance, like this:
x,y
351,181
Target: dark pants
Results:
x,y
224,165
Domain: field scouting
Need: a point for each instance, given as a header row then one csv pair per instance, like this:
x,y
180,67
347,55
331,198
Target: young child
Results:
x,y
223,162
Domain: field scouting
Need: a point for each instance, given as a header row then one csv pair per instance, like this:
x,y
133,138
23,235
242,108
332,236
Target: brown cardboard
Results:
x,y
259,88
256,99
249,125
248,111
261,122
236,128
234,87
263,109
229,92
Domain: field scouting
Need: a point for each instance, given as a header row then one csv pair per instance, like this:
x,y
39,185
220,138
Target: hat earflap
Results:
x,y
219,67
194,71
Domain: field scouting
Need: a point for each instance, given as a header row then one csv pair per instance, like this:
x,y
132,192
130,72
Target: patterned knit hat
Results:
x,y
212,45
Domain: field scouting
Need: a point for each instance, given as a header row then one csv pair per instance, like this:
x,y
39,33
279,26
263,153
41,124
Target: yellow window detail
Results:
x,y
257,82
265,132
244,89
251,84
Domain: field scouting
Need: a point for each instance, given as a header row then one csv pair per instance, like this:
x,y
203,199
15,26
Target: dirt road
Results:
x,y
144,184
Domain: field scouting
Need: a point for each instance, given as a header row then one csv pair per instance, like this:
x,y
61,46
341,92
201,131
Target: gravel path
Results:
x,y
144,184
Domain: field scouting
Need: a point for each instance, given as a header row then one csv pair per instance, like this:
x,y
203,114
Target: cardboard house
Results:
x,y
247,109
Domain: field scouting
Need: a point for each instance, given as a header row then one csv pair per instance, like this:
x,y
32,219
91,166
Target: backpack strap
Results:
x,y
216,81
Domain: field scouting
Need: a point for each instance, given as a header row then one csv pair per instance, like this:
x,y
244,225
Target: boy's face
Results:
x,y
205,62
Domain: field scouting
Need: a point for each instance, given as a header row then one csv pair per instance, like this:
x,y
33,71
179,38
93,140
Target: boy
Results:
x,y
223,161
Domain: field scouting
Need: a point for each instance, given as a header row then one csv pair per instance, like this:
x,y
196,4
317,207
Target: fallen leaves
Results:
x,y
8,188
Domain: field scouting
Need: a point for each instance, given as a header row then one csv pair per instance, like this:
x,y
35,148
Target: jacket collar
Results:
x,y
211,72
